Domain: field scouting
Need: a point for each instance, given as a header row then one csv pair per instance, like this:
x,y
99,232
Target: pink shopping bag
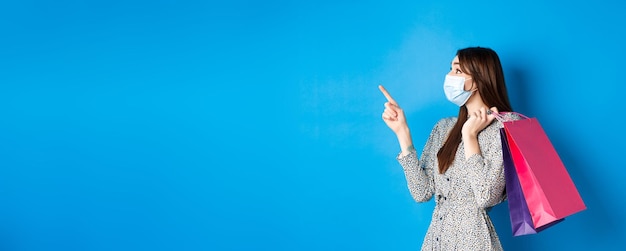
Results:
x,y
547,187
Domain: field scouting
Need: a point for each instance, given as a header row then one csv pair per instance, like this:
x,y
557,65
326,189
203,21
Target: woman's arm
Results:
x,y
483,162
485,173
418,174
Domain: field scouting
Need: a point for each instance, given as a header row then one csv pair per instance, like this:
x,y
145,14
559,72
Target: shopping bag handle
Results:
x,y
500,116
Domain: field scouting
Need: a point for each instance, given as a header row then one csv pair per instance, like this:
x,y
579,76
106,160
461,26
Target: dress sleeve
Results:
x,y
419,173
485,171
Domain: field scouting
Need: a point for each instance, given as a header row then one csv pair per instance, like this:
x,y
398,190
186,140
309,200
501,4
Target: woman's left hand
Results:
x,y
477,121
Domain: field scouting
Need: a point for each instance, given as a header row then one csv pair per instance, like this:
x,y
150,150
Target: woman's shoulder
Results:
x,y
446,122
510,116
443,127
506,117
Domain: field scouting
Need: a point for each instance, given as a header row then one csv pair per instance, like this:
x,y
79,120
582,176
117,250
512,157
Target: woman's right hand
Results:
x,y
395,120
393,114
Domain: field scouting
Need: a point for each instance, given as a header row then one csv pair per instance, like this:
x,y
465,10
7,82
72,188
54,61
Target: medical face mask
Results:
x,y
454,87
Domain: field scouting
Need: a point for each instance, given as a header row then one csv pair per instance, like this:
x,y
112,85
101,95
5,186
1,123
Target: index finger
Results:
x,y
386,93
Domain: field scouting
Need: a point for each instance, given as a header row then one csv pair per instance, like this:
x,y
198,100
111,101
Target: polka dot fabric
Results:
x,y
464,193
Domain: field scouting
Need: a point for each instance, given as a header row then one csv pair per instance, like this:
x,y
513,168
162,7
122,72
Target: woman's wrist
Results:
x,y
405,141
404,137
469,135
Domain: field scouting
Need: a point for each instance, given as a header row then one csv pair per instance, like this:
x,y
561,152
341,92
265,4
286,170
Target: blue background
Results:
x,y
255,125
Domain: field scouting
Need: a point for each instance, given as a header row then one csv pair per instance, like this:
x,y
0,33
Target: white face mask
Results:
x,y
454,87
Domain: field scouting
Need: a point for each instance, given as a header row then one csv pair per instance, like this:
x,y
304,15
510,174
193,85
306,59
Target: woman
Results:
x,y
461,163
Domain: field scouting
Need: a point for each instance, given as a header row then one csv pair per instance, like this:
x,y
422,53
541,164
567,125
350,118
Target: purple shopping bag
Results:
x,y
521,221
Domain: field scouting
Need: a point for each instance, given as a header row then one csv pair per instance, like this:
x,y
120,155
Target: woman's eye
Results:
x,y
458,71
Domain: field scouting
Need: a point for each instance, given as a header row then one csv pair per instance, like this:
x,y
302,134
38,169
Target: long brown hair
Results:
x,y
483,64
